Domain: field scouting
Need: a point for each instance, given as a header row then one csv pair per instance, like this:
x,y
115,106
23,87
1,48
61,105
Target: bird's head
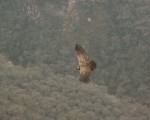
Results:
x,y
77,68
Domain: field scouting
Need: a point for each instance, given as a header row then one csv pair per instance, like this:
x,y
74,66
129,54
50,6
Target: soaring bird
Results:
x,y
86,66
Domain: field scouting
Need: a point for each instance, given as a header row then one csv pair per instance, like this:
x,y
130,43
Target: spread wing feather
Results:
x,y
82,56
84,74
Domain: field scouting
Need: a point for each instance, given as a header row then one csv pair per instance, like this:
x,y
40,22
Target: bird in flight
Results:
x,y
86,66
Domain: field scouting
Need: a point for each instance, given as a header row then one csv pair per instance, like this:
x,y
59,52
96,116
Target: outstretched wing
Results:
x,y
85,73
82,56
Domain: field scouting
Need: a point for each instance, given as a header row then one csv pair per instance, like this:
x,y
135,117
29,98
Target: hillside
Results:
x,y
37,58
26,93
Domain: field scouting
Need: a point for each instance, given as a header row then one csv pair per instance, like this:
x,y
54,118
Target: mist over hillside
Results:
x,y
37,59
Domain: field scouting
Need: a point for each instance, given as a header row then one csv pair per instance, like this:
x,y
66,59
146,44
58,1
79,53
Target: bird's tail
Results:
x,y
92,65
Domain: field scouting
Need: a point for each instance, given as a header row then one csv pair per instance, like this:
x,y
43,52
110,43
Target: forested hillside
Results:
x,y
37,59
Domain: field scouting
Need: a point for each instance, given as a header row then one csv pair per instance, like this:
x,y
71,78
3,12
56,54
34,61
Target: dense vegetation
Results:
x,y
37,59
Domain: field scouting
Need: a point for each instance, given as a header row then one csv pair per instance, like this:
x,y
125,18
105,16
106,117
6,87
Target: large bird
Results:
x,y
85,64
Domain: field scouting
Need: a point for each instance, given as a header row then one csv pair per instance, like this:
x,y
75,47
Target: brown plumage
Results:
x,y
85,64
